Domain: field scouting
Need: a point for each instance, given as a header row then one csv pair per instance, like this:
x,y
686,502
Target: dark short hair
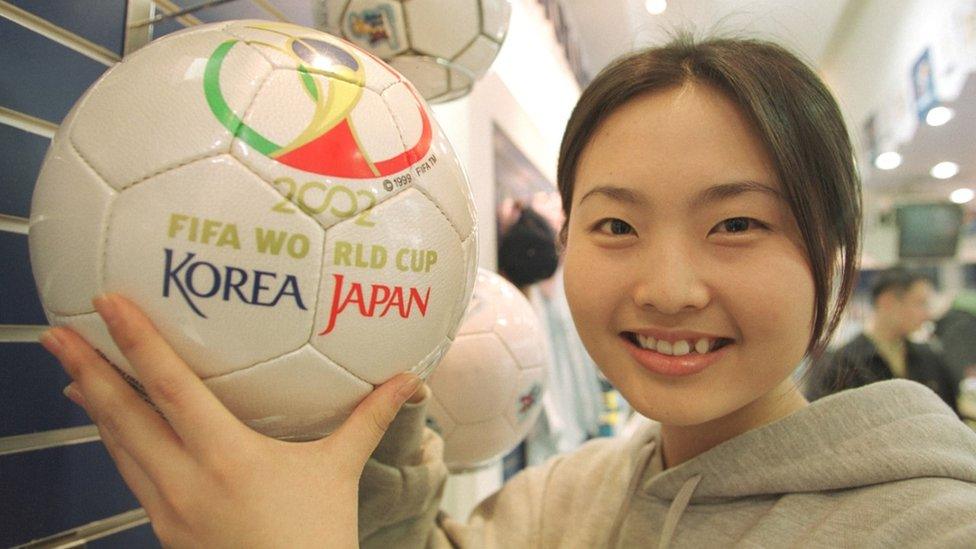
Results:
x,y
798,121
896,279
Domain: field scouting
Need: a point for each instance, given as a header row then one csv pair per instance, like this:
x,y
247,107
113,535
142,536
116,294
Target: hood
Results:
x,y
883,432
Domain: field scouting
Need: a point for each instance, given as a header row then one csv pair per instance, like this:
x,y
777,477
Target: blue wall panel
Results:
x,y
99,21
19,303
31,381
21,154
40,77
52,490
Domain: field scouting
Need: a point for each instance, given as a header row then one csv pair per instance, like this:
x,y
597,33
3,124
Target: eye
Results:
x,y
738,225
618,227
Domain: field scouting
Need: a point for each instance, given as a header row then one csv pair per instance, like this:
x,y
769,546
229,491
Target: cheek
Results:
x,y
775,303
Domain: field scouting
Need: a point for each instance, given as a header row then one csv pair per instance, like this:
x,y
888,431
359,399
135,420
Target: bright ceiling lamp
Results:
x,y
887,160
961,196
656,7
944,170
938,116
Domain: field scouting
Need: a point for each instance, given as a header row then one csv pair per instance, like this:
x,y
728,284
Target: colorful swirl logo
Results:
x,y
328,144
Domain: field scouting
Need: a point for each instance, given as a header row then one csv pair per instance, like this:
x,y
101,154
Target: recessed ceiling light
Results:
x,y
887,160
944,170
961,196
938,116
656,7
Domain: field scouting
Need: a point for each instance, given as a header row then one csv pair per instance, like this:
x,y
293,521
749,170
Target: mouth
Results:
x,y
681,347
676,358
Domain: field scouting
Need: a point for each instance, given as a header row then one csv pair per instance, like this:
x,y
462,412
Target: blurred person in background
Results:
x,y
900,299
956,331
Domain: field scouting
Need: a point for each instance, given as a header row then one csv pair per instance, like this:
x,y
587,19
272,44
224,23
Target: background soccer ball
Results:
x,y
282,205
443,47
487,392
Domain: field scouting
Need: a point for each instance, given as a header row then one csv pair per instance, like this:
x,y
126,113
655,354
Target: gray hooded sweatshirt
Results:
x,y
884,465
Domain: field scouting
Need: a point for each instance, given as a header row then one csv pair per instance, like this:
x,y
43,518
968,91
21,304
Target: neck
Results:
x,y
683,442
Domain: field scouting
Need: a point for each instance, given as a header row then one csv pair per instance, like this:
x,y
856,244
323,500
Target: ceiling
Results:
x,y
609,28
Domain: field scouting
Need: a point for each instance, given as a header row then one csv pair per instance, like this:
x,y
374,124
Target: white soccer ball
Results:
x,y
282,205
442,46
487,392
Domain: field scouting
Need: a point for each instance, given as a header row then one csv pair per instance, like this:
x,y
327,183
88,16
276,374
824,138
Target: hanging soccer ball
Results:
x,y
281,204
487,392
442,47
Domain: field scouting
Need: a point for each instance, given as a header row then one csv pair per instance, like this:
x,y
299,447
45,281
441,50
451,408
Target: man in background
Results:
x,y
900,299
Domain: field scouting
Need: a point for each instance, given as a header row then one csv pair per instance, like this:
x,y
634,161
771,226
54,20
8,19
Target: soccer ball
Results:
x,y
282,205
487,391
442,47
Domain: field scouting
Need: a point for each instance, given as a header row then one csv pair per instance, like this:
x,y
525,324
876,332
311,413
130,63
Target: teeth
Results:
x,y
680,348
703,345
664,347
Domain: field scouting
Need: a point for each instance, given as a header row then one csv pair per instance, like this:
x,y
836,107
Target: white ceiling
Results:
x,y
611,27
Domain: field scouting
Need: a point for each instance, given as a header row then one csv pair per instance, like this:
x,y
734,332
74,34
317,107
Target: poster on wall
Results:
x,y
923,83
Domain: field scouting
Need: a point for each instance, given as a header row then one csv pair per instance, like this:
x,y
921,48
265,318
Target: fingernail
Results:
x,y
106,308
407,388
74,395
49,340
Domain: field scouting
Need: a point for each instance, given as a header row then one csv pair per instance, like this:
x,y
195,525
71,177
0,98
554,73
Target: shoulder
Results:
x,y
935,511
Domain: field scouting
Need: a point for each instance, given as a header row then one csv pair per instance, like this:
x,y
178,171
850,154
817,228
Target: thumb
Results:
x,y
363,431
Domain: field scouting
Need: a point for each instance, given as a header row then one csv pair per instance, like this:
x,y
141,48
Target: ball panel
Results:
x,y
327,15
433,34
377,26
169,90
476,58
439,172
66,237
377,132
345,154
473,445
521,332
201,248
461,321
495,17
311,396
483,308
429,77
265,115
475,360
438,419
289,47
524,409
381,281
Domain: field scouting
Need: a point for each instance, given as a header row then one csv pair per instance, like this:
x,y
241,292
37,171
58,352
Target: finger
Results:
x,y
362,432
115,406
197,416
135,478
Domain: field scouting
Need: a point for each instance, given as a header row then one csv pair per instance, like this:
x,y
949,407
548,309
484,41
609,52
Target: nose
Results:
x,y
670,280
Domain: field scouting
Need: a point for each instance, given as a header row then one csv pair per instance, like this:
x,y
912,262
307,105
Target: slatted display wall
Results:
x,y
58,486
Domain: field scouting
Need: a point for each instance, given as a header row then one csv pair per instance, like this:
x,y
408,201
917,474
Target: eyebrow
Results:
x,y
715,193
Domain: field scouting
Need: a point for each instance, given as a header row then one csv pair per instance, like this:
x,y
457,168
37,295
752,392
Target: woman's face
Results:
x,y
679,233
